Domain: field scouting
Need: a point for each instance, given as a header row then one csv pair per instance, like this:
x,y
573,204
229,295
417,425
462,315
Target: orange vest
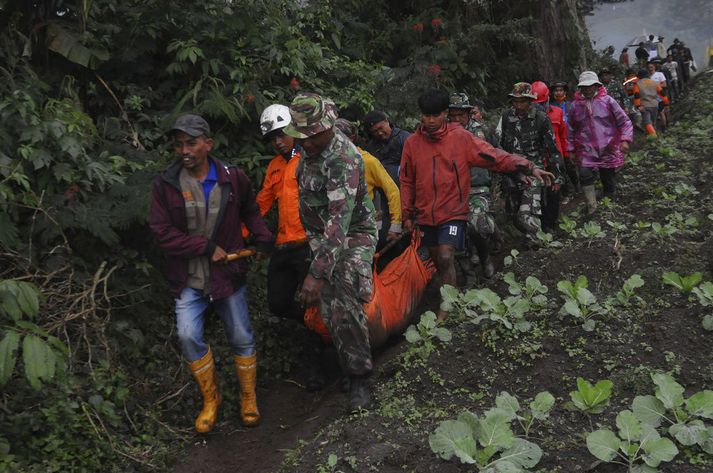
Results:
x,y
281,184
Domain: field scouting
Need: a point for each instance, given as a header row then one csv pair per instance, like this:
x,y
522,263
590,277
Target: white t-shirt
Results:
x,y
671,67
658,76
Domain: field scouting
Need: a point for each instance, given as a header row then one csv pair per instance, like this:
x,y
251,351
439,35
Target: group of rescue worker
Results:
x,y
337,202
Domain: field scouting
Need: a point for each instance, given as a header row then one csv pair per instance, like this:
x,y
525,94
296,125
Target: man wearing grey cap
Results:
x,y
197,207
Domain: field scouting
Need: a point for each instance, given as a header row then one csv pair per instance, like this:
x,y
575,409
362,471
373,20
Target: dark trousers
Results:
x,y
587,177
571,186
551,209
287,270
686,73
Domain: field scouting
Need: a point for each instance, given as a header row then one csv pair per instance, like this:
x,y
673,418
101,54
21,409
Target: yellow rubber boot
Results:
x,y
204,372
246,367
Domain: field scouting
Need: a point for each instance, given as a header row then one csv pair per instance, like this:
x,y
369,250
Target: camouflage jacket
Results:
x,y
533,138
479,177
334,204
617,92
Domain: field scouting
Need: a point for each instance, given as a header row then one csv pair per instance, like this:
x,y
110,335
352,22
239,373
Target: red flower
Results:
x,y
417,27
434,69
72,191
436,22
250,98
294,84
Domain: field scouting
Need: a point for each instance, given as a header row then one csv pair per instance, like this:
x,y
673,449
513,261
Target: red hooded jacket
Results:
x,y
435,172
169,227
559,126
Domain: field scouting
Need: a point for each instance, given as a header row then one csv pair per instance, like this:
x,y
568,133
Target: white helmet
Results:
x,y
274,117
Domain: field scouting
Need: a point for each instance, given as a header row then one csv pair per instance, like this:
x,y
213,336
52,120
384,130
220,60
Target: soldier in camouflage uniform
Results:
x,y
481,221
615,90
338,217
528,132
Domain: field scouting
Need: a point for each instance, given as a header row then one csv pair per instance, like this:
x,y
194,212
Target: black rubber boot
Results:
x,y
315,379
482,245
359,393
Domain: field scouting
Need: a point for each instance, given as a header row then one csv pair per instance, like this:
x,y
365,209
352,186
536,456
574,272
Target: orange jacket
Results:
x,y
631,87
281,184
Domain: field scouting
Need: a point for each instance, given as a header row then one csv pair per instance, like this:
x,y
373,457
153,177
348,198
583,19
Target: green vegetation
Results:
x,y
592,399
477,440
580,303
423,335
685,284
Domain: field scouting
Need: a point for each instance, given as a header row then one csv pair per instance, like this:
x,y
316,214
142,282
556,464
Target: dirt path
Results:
x,y
289,414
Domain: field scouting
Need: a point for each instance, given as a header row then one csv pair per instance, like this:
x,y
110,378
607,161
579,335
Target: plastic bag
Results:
x,y
397,291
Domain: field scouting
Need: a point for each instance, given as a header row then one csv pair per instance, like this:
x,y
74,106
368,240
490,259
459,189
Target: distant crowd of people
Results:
x,y
658,77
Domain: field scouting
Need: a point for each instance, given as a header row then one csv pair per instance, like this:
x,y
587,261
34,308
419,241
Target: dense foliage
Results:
x,y
87,361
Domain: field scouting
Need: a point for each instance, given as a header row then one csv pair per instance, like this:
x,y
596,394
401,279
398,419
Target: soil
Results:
x,y
660,332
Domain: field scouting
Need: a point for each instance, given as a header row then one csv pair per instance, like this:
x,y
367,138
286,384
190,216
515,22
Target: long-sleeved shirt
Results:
x,y
280,184
651,93
334,205
435,172
377,178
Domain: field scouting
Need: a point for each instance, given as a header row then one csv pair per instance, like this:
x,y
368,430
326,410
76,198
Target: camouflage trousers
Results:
x,y
525,207
342,304
480,218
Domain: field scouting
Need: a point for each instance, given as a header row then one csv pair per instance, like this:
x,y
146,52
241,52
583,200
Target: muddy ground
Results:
x,y
661,332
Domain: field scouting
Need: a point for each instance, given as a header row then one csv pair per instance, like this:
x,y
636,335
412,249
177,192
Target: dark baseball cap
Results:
x,y
190,124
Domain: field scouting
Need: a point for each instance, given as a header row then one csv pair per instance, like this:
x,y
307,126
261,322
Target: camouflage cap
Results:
x,y
311,114
522,90
459,100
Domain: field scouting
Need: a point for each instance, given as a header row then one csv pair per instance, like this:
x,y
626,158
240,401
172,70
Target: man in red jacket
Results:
x,y
435,180
197,206
553,197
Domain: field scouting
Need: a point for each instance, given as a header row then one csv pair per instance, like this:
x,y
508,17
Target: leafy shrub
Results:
x,y
538,409
487,442
592,399
547,240
580,302
569,226
684,417
423,335
533,290
479,305
638,439
634,444
685,284
704,293
42,353
627,292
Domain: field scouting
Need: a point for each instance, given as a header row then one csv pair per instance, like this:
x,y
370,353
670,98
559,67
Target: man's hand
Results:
x,y
311,290
407,225
219,255
547,178
624,147
393,235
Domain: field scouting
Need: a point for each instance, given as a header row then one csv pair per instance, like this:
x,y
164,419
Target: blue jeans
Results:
x,y
191,307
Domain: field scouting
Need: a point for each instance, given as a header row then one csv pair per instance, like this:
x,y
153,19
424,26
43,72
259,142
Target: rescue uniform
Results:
x,y
532,137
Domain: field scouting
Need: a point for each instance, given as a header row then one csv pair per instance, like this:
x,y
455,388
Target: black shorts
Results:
x,y
449,233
